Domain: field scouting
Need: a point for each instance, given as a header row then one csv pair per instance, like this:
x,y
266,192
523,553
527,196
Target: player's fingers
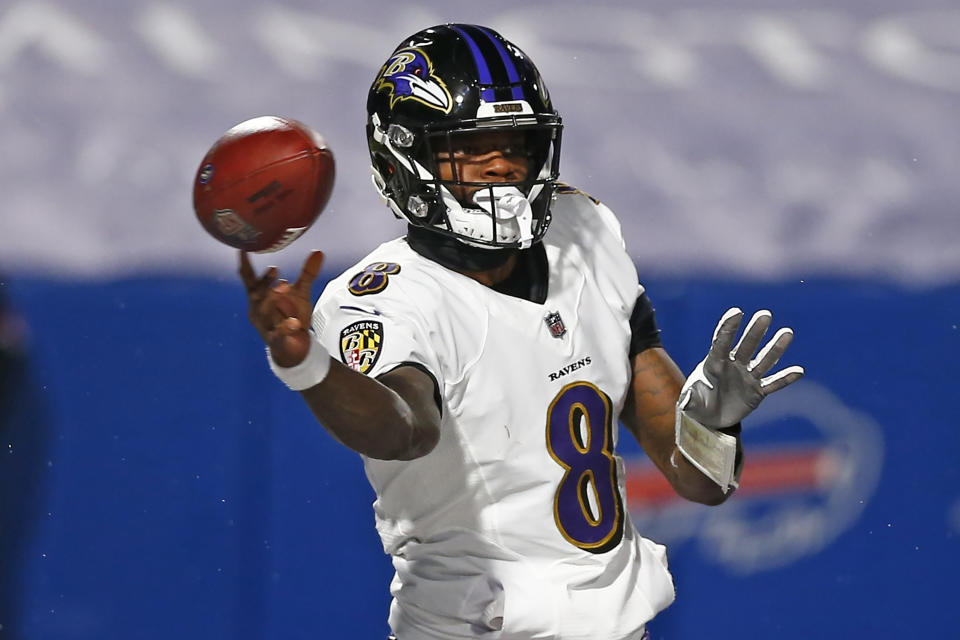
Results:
x,y
277,293
780,379
262,285
725,332
255,286
246,271
771,352
309,273
287,306
288,326
269,308
263,310
752,336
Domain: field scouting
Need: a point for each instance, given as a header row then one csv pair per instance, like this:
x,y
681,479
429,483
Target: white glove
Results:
x,y
724,388
727,385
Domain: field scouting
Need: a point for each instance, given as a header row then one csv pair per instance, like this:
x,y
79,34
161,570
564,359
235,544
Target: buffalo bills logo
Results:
x,y
408,75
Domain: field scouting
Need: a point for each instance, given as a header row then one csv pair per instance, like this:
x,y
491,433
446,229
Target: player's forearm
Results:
x,y
690,483
650,414
368,416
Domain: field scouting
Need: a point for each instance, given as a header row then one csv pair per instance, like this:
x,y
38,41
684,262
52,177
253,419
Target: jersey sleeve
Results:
x,y
621,273
611,222
374,334
644,333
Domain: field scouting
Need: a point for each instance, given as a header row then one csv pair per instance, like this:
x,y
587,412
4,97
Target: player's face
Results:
x,y
483,157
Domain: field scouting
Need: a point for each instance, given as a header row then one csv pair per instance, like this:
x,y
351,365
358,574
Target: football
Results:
x,y
263,183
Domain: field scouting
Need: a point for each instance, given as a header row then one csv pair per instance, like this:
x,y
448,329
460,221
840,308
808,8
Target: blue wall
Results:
x,y
186,493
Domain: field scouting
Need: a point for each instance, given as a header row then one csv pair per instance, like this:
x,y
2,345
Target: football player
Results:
x,y
481,363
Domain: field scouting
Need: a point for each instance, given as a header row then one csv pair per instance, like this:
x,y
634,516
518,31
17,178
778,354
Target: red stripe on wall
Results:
x,y
765,473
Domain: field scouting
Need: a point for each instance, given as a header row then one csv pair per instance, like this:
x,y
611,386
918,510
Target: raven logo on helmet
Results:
x,y
408,75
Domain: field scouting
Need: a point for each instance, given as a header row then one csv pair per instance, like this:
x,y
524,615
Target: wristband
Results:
x,y
308,373
712,452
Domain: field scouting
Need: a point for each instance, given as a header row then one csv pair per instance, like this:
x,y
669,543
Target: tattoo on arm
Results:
x,y
652,398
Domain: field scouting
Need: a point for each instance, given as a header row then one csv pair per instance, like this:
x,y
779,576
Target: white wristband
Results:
x,y
308,373
712,452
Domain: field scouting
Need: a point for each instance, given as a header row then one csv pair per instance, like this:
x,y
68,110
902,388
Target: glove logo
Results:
x,y
360,345
408,75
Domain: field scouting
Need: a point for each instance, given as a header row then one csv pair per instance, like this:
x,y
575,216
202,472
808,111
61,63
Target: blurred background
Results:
x,y
156,481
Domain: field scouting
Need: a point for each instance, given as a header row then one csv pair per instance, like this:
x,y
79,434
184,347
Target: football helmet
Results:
x,y
452,90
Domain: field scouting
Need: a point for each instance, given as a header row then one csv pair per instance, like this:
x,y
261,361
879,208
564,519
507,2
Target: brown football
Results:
x,y
263,183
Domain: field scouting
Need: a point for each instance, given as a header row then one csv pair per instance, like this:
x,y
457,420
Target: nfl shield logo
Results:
x,y
555,324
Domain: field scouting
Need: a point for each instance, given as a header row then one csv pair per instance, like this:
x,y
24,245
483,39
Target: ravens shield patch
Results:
x,y
360,345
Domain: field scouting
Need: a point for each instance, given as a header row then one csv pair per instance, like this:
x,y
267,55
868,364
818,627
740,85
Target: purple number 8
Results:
x,y
587,506
373,279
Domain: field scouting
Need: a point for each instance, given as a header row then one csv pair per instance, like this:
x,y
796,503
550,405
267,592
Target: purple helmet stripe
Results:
x,y
483,71
508,63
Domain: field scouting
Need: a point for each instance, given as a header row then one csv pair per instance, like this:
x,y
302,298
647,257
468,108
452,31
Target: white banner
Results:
x,y
758,143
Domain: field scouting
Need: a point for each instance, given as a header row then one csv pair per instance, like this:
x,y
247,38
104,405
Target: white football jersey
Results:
x,y
515,525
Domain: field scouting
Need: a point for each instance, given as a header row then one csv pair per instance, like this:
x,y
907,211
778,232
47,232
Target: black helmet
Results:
x,y
441,86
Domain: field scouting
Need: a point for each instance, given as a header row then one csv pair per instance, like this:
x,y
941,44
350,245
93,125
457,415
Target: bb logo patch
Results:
x,y
360,345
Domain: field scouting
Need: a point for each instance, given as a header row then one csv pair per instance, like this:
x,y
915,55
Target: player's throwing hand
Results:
x,y
281,312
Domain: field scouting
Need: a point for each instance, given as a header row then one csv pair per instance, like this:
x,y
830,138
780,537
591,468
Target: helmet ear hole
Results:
x,y
383,166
